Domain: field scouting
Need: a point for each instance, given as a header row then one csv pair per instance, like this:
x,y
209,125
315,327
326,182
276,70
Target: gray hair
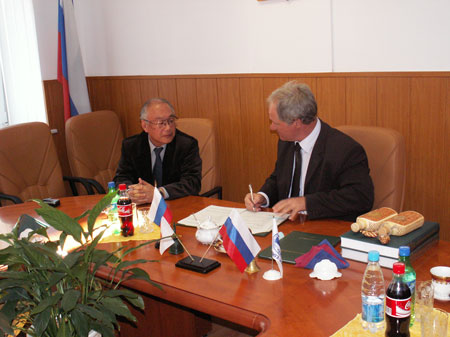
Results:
x,y
294,101
155,100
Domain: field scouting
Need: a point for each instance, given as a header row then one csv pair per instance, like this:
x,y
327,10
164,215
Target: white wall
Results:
x,y
154,37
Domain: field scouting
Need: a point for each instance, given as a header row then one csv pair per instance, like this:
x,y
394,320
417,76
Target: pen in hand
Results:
x,y
251,195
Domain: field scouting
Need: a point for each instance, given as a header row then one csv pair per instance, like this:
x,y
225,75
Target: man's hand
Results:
x,y
141,193
291,206
254,205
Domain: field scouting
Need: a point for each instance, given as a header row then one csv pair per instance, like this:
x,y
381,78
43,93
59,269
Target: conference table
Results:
x,y
296,305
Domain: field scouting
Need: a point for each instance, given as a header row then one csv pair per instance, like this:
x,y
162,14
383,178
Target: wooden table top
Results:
x,y
285,307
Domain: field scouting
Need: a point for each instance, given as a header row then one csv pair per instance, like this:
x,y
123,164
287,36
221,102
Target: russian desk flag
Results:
x,y
239,243
70,63
161,216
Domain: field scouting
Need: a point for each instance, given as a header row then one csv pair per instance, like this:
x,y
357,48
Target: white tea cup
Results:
x,y
441,282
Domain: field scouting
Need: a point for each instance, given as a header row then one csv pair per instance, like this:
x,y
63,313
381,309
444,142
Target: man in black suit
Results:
x,y
159,156
320,171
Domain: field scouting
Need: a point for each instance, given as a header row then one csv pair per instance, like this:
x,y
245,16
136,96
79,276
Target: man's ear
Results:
x,y
144,125
297,123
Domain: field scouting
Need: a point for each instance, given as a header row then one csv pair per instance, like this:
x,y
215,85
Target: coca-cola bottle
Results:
x,y
125,210
398,304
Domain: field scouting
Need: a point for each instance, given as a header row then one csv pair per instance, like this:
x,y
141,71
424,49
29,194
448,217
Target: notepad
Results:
x,y
298,243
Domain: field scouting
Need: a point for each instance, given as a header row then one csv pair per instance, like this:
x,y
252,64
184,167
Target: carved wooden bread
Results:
x,y
402,223
372,220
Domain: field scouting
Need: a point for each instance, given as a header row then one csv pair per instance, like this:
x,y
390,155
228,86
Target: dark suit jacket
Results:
x,y
182,166
337,183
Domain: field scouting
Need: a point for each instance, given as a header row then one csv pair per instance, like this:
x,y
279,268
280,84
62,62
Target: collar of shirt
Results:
x,y
152,152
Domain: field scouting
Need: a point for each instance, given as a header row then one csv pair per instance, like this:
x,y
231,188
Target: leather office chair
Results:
x,y
203,130
29,164
385,149
94,142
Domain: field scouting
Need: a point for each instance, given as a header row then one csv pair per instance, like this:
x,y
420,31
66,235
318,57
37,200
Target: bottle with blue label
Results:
x,y
409,277
372,294
113,215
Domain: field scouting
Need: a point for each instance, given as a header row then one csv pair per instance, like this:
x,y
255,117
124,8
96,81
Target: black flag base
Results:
x,y
200,267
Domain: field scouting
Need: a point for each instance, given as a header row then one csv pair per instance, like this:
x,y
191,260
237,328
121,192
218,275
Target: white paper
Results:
x,y
257,222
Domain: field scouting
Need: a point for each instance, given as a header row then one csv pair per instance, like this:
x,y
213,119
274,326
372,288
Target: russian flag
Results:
x,y
161,216
239,243
70,64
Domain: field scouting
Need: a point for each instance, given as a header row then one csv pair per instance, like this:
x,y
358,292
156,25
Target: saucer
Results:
x,y
442,298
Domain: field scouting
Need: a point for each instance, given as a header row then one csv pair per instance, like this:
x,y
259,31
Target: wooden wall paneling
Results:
x,y
187,97
230,140
167,88
331,100
428,104
149,89
128,105
99,93
445,223
118,102
254,130
361,100
55,115
271,138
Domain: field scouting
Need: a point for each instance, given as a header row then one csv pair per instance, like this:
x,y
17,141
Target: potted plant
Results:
x,y
43,293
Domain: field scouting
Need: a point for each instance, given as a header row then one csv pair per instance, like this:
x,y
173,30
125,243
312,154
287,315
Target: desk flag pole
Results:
x,y
272,274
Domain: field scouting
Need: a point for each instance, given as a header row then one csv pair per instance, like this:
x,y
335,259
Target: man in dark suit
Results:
x,y
320,171
159,156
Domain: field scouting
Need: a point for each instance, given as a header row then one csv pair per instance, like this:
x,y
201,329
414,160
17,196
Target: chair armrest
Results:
x,y
216,190
87,184
12,198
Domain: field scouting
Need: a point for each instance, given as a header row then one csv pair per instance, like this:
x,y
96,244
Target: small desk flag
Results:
x,y
276,249
161,216
238,242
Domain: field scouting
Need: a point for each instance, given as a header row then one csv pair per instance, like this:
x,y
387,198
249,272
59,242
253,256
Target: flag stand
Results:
x,y
197,264
272,275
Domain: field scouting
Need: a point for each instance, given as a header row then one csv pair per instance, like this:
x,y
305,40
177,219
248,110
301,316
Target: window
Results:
x,y
21,94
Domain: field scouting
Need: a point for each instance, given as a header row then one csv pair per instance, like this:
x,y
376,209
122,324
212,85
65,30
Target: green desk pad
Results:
x,y
298,243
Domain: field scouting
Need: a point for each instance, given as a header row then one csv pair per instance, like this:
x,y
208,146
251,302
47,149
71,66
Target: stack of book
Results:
x,y
355,246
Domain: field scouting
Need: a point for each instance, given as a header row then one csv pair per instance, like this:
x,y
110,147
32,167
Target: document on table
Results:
x,y
257,222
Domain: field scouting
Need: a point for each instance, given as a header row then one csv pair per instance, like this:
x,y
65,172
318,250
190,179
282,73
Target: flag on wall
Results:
x,y
70,64
239,243
161,216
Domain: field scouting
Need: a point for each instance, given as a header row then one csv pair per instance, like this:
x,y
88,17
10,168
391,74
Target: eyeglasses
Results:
x,y
161,123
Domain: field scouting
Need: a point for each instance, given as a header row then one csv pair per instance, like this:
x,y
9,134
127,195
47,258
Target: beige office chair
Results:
x,y
29,164
94,142
203,130
386,153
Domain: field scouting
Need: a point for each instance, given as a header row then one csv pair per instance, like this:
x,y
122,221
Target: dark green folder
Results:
x,y
298,243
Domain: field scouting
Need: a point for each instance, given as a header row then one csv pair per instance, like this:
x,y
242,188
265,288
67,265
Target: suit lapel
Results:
x,y
316,156
144,160
287,153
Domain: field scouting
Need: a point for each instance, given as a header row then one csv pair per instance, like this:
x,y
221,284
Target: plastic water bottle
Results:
x,y
372,294
409,277
113,215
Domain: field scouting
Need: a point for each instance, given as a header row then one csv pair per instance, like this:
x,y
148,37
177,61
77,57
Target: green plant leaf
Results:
x,y
70,299
78,218
59,220
126,264
80,322
132,249
98,208
41,321
118,307
63,329
105,331
5,325
119,292
137,302
72,258
94,313
46,302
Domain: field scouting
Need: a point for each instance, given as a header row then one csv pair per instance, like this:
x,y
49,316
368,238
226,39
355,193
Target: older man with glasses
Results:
x,y
160,156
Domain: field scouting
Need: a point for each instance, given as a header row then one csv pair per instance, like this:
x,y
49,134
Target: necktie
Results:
x,y
295,190
157,168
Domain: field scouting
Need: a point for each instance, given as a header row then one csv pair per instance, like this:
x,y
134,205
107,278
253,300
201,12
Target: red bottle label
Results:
x,y
124,210
398,308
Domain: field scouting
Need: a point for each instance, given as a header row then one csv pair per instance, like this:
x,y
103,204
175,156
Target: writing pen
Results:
x,y
251,195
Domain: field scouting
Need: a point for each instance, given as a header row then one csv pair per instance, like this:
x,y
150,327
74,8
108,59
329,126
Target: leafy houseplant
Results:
x,y
45,294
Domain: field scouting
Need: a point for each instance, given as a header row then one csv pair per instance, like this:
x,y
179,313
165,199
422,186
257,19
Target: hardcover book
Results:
x,y
297,243
386,261
414,239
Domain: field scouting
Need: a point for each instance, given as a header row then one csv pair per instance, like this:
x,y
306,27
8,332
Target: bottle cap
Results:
x,y
111,184
122,187
374,256
404,251
398,268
